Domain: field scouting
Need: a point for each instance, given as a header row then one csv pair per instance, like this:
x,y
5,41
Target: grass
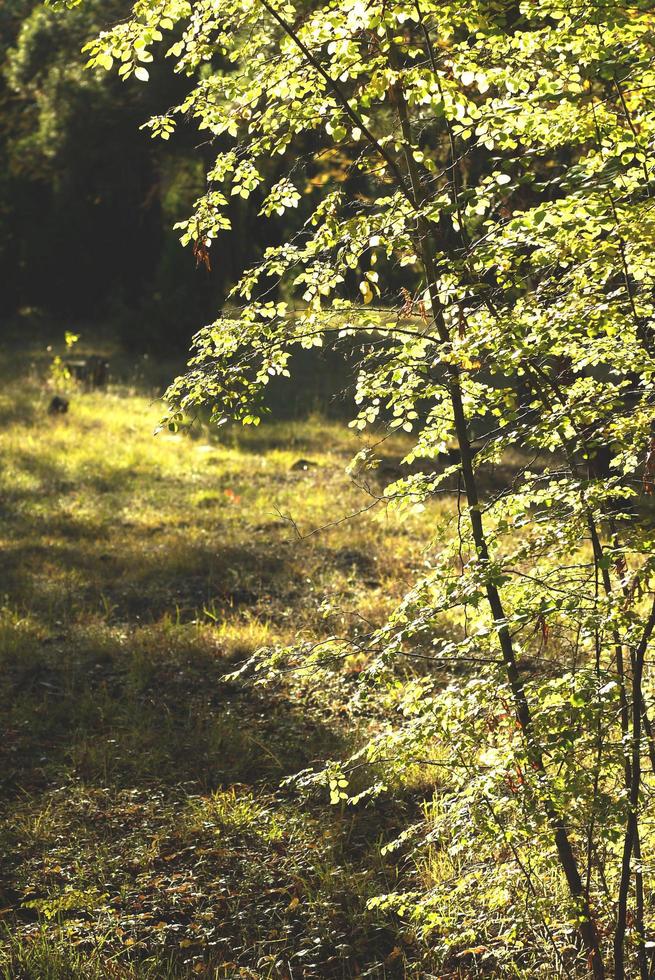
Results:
x,y
144,830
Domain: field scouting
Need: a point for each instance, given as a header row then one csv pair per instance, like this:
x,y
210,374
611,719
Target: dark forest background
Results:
x,y
88,199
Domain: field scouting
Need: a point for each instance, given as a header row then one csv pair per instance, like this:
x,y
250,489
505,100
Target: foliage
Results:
x,y
497,159
60,375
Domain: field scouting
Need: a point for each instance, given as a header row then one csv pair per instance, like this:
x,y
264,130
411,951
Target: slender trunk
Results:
x,y
565,852
632,761
413,193
632,823
639,910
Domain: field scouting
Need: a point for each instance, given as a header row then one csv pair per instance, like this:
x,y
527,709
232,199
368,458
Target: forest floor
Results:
x,y
144,831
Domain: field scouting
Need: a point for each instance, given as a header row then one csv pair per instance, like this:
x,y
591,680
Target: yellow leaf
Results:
x,y
366,291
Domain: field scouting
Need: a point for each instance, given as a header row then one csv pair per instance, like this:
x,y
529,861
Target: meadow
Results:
x,y
144,828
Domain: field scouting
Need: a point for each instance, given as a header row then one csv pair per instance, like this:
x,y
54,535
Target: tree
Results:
x,y
503,153
73,159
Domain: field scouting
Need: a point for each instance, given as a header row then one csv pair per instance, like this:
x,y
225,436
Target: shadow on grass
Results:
x,y
142,820
145,706
109,673
144,826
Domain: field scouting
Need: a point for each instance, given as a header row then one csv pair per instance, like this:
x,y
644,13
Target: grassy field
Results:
x,y
144,831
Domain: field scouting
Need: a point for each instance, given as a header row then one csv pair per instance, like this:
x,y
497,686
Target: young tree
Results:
x,y
502,154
